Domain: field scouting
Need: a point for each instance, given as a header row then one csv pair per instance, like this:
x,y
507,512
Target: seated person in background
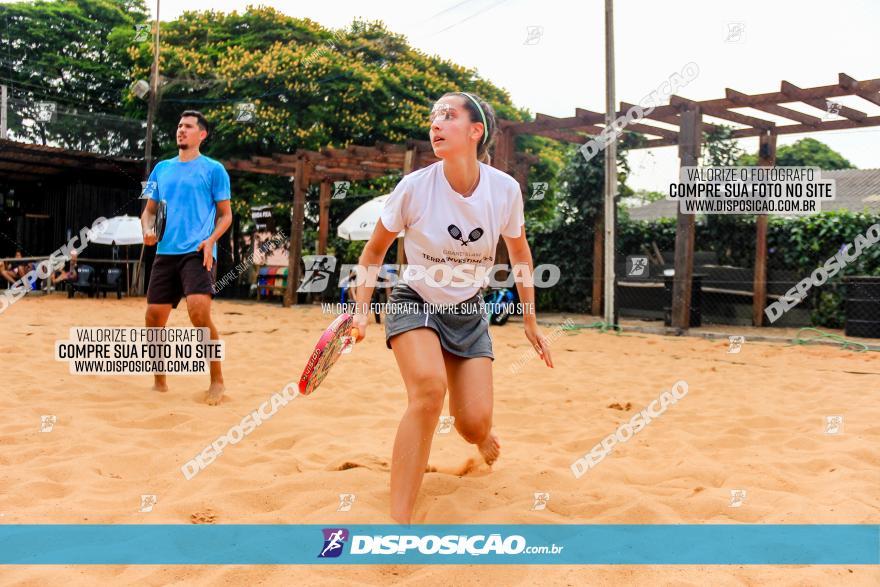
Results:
x,y
67,272
23,267
8,272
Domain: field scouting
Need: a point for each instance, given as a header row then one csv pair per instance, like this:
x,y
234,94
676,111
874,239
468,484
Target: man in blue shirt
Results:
x,y
196,192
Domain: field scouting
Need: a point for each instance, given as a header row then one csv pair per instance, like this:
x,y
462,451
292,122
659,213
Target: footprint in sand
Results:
x,y
617,406
206,517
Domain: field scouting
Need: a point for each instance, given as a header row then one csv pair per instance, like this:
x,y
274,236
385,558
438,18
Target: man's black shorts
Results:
x,y
175,276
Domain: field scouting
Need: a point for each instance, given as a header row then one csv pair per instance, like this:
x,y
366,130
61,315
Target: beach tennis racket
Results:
x,y
161,214
475,235
333,342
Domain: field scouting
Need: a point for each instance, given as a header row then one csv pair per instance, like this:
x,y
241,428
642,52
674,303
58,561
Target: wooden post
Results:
x,y
766,158
410,164
689,139
610,192
323,216
598,265
296,232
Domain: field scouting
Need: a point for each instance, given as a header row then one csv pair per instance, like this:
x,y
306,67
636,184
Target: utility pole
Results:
x,y
610,163
154,100
4,103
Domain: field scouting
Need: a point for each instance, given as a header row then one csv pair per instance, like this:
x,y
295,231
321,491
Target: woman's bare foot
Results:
x,y
490,448
159,383
214,394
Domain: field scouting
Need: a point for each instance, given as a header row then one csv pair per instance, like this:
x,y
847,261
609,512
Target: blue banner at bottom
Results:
x,y
710,544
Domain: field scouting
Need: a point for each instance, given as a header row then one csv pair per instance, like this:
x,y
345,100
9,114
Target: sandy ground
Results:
x,y
752,421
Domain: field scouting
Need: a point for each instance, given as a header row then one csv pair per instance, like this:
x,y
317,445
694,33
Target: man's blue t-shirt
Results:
x,y
190,190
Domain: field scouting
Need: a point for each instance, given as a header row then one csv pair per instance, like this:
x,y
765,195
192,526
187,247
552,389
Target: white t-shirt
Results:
x,y
443,228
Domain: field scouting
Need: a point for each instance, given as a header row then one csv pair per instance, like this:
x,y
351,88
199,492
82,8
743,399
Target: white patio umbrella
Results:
x,y
360,224
122,230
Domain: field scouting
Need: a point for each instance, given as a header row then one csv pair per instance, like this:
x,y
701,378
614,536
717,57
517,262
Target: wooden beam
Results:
x,y
774,109
668,114
851,84
821,102
689,138
296,233
724,113
561,135
323,216
547,122
766,158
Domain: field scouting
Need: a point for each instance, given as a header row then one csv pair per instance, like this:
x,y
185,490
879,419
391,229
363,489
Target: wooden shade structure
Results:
x,y
687,116
354,163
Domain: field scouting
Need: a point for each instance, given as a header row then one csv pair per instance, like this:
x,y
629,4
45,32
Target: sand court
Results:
x,y
752,422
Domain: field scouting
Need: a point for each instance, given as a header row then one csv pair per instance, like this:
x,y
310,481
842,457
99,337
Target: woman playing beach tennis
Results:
x,y
453,211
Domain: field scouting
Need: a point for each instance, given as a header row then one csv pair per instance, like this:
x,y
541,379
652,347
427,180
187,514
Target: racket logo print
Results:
x,y
334,540
455,232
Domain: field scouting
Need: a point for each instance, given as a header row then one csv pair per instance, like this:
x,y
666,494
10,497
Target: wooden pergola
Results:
x,y
355,163
687,118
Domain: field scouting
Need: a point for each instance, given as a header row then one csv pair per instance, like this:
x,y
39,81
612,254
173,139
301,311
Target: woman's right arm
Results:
x,y
369,264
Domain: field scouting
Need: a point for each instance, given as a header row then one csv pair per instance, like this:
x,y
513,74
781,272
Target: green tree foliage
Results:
x,y
806,152
72,53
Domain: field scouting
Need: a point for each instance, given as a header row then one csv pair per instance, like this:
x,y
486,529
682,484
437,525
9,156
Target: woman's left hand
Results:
x,y
539,342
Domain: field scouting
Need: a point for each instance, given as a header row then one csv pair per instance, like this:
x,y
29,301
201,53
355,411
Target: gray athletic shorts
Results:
x,y
463,328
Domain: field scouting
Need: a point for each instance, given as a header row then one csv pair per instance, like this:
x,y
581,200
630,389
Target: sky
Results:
x,y
562,66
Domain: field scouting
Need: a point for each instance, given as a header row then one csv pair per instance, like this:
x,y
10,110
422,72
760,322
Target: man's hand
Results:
x,y
207,249
150,237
